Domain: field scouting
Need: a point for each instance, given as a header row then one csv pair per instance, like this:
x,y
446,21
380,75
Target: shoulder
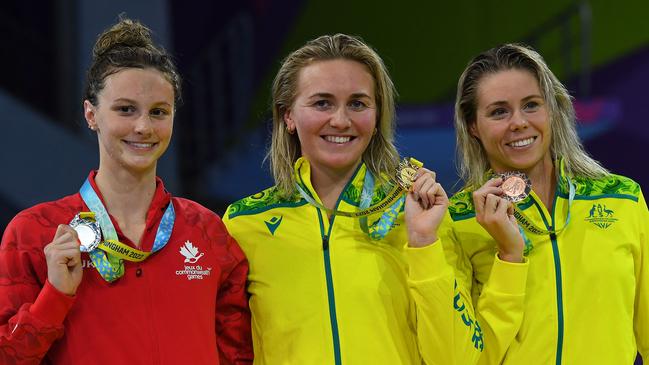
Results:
x,y
196,215
262,201
609,186
187,206
461,205
55,212
41,220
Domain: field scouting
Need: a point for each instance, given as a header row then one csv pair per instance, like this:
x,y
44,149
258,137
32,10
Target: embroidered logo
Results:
x,y
601,216
273,223
190,252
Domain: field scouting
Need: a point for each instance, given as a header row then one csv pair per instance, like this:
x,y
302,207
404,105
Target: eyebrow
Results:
x,y
127,100
503,102
329,95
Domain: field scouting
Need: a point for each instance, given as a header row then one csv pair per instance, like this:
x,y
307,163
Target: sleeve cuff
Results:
x,y
51,306
426,262
508,277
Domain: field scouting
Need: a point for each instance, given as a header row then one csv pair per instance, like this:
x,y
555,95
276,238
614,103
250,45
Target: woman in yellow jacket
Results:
x,y
558,269
328,283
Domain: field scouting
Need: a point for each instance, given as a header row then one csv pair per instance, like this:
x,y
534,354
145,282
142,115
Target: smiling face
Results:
x,y
133,119
334,114
512,121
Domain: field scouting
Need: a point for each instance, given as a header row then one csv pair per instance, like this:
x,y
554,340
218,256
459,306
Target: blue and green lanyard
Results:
x,y
538,230
109,266
381,227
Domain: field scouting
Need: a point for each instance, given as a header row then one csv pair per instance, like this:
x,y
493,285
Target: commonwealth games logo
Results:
x,y
601,216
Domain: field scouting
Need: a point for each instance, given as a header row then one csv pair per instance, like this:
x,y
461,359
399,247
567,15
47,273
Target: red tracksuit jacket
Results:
x,y
164,310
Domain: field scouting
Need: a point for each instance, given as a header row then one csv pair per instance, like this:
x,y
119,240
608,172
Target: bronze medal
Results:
x,y
516,186
87,230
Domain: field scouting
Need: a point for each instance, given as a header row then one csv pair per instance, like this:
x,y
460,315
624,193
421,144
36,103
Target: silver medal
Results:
x,y
88,232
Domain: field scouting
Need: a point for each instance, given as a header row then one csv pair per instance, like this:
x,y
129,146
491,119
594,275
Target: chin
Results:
x,y
140,166
342,164
524,165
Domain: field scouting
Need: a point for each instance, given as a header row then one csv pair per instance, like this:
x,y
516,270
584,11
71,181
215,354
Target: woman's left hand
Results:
x,y
426,205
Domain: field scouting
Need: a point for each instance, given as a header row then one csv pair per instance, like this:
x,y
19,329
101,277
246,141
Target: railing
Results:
x,y
220,92
574,28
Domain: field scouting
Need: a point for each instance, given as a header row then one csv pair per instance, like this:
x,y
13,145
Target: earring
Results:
x,y
290,130
92,127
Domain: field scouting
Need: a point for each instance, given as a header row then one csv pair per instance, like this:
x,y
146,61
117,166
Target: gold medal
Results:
x,y
516,186
407,171
87,230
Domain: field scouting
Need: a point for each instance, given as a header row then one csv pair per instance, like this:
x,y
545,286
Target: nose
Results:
x,y
518,121
340,119
143,125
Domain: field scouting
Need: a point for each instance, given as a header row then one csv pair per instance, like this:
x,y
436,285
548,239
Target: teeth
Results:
x,y
522,143
338,139
140,145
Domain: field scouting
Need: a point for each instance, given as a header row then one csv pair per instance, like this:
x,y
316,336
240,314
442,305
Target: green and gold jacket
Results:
x,y
582,297
323,292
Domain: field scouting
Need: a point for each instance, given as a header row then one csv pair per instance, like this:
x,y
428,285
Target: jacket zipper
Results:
x,y
559,288
328,275
558,280
330,290
557,277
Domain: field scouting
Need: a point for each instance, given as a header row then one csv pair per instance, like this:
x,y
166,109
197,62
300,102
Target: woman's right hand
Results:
x,y
496,216
63,258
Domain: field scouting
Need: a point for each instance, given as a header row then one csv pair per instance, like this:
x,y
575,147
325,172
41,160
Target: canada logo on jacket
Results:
x,y
191,256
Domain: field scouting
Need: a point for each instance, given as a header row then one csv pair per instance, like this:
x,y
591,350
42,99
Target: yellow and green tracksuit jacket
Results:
x,y
323,292
582,297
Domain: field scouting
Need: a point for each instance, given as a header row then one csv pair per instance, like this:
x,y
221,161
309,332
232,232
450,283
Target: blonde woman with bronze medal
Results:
x,y
553,246
346,266
122,272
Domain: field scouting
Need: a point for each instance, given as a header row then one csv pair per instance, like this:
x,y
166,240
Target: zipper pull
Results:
x,y
325,243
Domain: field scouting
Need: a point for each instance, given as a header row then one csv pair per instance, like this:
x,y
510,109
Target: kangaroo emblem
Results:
x,y
592,212
601,216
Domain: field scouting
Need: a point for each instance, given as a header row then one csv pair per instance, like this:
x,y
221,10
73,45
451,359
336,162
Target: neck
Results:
x,y
329,184
127,195
544,181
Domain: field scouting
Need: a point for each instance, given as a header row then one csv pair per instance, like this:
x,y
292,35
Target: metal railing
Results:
x,y
574,28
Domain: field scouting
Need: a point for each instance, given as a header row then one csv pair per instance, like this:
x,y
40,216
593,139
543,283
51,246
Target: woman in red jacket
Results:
x,y
122,272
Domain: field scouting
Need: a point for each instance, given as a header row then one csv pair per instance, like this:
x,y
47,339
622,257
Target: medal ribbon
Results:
x,y
109,255
397,191
530,226
392,196
382,226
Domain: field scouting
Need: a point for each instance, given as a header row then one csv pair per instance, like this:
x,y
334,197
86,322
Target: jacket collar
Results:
x,y
351,194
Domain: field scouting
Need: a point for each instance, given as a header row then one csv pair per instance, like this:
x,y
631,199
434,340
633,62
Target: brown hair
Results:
x,y
127,44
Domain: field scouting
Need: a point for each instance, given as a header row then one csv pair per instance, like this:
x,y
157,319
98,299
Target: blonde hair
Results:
x,y
472,159
381,156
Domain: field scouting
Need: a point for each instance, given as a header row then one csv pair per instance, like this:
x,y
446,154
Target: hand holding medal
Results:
x,y
516,186
63,259
88,231
494,207
426,204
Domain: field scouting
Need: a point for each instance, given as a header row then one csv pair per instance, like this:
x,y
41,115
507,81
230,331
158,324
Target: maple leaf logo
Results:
x,y
190,252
